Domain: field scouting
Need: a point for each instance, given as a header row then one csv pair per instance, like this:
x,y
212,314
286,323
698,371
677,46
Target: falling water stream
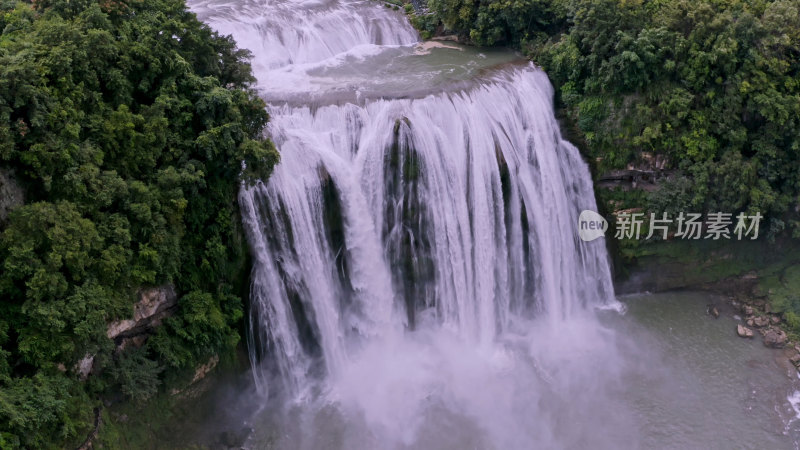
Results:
x,y
418,281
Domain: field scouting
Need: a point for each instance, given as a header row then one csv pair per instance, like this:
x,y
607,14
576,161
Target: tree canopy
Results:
x,y
131,126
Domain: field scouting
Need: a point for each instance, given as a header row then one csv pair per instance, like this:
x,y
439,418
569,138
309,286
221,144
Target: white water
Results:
x,y
417,268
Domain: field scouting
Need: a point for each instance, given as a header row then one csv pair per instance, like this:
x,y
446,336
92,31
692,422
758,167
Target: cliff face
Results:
x,y
153,306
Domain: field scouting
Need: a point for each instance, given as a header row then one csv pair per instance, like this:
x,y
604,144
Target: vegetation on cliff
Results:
x,y
711,86
131,126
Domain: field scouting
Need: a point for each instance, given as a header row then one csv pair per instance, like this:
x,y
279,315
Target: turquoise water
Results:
x,y
687,382
697,384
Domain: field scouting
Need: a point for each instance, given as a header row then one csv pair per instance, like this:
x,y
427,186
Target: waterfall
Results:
x,y
415,234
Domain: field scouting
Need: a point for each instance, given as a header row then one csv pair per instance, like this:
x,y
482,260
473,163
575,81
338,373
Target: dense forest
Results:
x,y
130,126
710,86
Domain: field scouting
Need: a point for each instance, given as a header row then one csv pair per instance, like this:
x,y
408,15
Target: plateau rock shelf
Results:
x,y
416,261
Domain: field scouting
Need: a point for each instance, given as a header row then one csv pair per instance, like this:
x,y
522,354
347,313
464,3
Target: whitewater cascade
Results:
x,y
416,236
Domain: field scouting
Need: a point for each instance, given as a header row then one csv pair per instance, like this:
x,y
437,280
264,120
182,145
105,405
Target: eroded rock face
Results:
x,y
118,327
153,306
11,194
152,301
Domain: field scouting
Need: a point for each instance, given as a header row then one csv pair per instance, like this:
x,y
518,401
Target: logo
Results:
x,y
591,225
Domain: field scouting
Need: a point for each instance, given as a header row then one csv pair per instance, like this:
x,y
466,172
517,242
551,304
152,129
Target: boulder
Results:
x,y
775,320
761,321
795,359
775,338
743,331
747,310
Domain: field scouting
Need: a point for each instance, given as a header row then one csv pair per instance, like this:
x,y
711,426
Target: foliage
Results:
x,y
132,126
783,290
424,23
712,85
499,21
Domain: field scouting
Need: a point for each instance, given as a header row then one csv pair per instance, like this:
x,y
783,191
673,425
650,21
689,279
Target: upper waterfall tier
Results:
x,y
284,32
337,52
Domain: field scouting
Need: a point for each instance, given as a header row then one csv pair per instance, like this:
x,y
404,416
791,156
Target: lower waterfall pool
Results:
x,y
666,375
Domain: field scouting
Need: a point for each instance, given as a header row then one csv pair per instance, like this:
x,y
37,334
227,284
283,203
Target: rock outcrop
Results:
x,y
204,369
154,305
775,338
84,367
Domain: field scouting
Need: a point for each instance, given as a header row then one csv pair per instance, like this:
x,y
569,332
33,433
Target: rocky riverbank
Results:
x,y
757,282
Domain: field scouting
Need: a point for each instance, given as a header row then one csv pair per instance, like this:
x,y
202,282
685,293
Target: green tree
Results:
x,y
132,126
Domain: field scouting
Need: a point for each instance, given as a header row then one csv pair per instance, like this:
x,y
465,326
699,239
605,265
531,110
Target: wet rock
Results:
x,y
761,322
712,311
449,37
743,331
775,338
